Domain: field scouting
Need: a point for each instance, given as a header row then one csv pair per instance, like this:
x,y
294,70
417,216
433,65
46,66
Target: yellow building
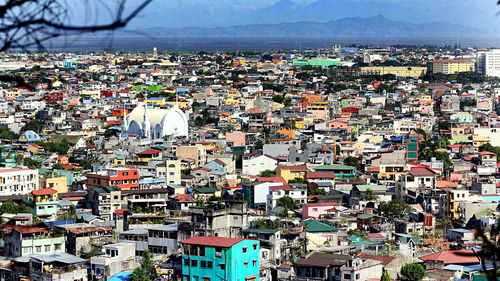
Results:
x,y
453,66
453,199
478,141
60,184
399,71
291,172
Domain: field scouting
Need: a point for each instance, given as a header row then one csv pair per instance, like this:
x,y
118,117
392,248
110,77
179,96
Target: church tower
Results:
x,y
146,127
124,122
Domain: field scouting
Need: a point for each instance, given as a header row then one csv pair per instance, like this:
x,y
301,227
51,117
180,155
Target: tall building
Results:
x,y
18,181
210,258
453,66
488,63
122,178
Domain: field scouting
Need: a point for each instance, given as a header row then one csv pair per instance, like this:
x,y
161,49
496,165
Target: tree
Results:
x,y
28,24
287,202
412,272
394,209
144,272
385,276
267,173
34,125
6,133
352,161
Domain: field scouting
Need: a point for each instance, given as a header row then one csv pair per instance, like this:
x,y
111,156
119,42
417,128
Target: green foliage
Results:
x,y
412,272
32,163
34,125
91,160
369,194
385,276
144,272
57,166
265,224
394,209
66,216
352,161
287,202
60,147
9,207
357,232
278,99
6,133
267,173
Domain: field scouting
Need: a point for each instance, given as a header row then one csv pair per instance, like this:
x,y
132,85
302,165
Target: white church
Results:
x,y
154,123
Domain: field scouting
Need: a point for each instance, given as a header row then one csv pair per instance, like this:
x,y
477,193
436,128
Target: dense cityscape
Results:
x,y
348,163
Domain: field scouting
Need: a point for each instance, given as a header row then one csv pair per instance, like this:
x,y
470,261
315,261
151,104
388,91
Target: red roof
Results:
x,y
281,187
28,229
271,179
453,257
374,170
45,191
486,153
149,152
321,204
301,167
385,260
212,241
320,175
120,211
419,172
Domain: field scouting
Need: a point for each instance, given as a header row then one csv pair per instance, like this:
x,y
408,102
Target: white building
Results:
x,y
117,257
488,63
18,181
276,192
254,166
492,133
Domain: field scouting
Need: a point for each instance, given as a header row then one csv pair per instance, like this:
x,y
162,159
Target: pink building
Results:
x,y
238,139
336,124
315,210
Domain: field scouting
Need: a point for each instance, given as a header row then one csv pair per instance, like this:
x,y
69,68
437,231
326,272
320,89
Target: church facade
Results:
x,y
155,123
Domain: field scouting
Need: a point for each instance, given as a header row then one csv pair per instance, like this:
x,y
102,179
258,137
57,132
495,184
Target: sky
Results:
x,y
215,13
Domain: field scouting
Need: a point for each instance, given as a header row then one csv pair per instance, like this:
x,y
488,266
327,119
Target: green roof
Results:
x,y
160,147
316,226
368,216
120,157
206,190
335,167
361,244
373,187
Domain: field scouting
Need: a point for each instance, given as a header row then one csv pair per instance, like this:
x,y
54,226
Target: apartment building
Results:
x,y
18,181
123,178
453,66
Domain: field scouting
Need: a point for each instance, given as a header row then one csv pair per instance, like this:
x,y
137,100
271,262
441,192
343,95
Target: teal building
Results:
x,y
210,258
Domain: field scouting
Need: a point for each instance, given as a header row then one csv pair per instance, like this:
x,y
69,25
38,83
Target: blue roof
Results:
x,y
56,223
122,276
30,136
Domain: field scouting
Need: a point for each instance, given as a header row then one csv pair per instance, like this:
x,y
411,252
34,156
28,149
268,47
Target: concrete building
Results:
x,y
488,63
399,71
18,181
117,258
122,178
57,267
196,153
453,66
220,258
27,240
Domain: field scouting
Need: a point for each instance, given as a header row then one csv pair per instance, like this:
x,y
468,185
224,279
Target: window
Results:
x,y
194,263
246,264
38,249
222,266
47,248
254,262
315,209
347,276
254,246
218,252
203,264
201,251
210,264
244,250
206,278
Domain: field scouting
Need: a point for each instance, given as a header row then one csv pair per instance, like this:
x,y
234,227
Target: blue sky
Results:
x,y
214,13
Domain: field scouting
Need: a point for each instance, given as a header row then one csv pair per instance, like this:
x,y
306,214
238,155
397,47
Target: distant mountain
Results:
x,y
352,26
227,13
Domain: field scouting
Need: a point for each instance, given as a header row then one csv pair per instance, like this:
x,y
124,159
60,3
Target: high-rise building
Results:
x,y
453,66
488,63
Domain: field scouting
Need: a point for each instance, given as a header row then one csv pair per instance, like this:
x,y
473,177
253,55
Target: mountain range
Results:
x,y
351,26
229,13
